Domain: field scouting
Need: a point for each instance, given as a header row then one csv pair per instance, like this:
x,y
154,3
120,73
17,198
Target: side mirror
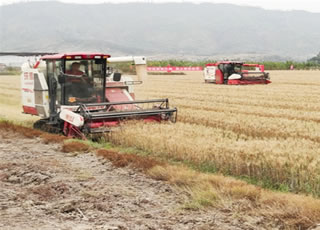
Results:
x,y
117,76
61,79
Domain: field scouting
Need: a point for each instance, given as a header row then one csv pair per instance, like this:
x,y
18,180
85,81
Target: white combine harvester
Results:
x,y
77,94
235,73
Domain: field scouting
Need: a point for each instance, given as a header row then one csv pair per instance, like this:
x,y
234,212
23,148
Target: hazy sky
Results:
x,y
308,5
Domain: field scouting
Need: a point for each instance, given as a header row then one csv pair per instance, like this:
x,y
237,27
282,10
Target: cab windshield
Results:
x,y
238,68
84,81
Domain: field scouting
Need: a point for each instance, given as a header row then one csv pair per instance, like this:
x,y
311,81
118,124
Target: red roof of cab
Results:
x,y
64,55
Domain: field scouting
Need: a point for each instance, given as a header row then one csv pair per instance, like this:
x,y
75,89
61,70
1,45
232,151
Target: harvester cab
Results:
x,y
235,73
77,95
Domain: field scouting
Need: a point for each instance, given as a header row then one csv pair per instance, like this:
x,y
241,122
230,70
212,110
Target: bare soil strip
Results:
x,y
43,188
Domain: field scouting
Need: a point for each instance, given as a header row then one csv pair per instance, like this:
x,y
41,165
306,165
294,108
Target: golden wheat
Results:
x,y
10,100
265,132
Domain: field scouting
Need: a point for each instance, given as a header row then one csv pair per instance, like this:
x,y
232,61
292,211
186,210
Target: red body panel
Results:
x,y
152,119
219,77
72,55
247,82
30,110
70,130
116,95
99,124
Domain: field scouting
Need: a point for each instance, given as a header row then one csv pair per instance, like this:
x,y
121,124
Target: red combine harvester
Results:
x,y
78,95
235,73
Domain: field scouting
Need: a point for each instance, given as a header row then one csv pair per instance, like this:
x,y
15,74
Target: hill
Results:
x,y
171,29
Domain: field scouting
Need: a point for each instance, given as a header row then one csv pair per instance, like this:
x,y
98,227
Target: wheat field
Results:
x,y
10,100
265,134
269,134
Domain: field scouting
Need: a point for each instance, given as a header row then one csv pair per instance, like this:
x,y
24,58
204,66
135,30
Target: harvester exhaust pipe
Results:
x,y
140,63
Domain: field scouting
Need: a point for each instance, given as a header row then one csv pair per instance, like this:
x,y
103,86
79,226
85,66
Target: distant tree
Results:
x,y
315,59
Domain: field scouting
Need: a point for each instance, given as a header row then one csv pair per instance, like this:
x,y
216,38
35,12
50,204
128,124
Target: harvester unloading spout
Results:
x,y
77,95
140,63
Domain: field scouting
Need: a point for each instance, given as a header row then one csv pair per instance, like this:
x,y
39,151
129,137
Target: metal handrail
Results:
x,y
126,102
115,114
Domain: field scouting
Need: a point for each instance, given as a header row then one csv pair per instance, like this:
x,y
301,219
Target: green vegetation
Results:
x,y
123,67
269,65
179,63
313,63
9,70
315,60
286,65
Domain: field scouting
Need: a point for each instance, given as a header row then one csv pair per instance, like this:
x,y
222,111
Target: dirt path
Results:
x,y
43,188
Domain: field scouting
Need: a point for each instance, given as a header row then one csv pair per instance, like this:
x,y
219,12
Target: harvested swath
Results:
x,y
31,133
292,211
125,159
25,131
75,146
53,138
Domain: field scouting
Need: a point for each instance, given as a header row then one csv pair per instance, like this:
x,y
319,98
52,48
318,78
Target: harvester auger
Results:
x,y
235,73
78,95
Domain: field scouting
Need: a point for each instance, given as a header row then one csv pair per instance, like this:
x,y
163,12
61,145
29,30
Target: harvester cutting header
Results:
x,y
235,73
78,94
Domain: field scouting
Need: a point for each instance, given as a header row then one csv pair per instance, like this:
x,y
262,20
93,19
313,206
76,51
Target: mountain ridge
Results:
x,y
204,30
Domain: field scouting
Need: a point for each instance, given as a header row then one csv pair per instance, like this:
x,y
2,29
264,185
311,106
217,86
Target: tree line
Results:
x,y
269,65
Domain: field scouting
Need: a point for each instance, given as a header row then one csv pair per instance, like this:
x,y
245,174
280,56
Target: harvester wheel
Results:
x,y
44,126
40,124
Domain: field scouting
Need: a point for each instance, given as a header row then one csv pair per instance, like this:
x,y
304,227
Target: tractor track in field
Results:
x,y
44,188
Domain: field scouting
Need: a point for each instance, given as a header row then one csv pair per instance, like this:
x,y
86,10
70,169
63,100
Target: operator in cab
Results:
x,y
75,69
78,85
